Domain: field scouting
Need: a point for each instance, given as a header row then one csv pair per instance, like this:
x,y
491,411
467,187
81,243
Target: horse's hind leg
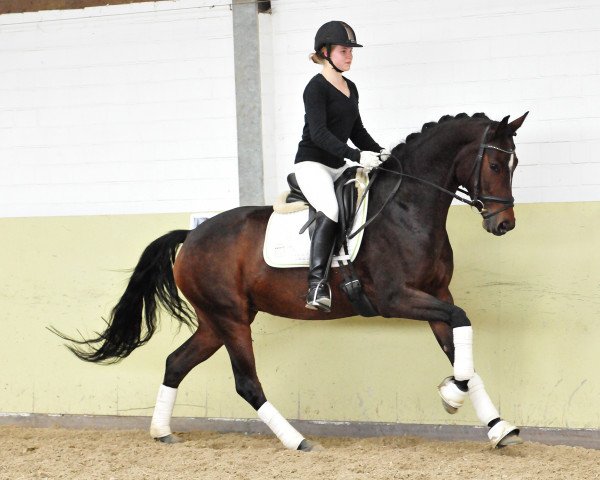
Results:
x,y
238,341
501,433
199,347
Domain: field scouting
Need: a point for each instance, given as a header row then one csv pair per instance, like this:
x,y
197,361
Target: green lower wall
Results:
x,y
532,297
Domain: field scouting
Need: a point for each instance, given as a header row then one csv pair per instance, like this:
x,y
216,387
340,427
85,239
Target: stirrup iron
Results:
x,y
323,303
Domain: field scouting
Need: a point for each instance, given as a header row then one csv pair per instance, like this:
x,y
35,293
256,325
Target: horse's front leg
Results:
x,y
454,333
501,433
458,339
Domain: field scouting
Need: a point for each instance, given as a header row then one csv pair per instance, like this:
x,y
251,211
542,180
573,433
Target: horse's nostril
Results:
x,y
505,226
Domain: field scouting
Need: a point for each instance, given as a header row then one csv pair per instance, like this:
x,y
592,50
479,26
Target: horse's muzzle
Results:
x,y
499,226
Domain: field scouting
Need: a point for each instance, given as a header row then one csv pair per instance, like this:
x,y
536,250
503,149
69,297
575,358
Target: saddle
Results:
x,y
347,196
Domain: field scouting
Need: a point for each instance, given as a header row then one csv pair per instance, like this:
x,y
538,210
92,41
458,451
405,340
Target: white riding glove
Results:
x,y
369,160
384,154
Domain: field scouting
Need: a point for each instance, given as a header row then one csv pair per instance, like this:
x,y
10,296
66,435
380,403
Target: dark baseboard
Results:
x,y
588,438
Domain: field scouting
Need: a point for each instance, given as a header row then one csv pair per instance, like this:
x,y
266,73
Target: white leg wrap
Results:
x,y
463,353
485,409
451,394
163,410
499,431
288,435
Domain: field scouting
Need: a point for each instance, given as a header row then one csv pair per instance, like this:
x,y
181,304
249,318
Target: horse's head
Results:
x,y
489,178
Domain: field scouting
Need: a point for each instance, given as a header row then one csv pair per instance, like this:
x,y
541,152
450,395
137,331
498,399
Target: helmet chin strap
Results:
x,y
328,58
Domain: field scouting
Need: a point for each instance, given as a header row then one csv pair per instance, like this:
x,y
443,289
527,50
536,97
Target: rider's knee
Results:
x,y
331,212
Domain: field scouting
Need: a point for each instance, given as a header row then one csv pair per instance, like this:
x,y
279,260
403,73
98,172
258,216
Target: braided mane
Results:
x,y
399,149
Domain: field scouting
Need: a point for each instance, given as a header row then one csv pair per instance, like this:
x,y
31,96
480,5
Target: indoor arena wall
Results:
x,y
117,123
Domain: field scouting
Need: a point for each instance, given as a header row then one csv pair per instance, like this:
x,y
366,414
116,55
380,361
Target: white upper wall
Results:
x,y
121,109
425,59
131,108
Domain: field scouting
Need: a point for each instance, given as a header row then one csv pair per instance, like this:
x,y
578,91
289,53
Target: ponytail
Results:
x,y
315,58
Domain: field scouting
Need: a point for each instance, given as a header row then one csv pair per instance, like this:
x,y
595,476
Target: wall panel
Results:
x,y
125,109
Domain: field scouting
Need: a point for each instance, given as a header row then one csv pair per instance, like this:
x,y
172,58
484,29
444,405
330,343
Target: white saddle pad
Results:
x,y
285,248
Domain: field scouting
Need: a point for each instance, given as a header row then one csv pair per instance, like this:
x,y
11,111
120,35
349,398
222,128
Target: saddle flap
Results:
x,y
345,194
295,194
285,247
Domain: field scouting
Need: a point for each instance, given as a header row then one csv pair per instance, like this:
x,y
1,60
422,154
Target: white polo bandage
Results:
x,y
485,409
463,353
163,410
288,435
451,394
499,431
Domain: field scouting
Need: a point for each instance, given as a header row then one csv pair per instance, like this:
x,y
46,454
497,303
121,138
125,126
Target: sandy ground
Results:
x,y
32,453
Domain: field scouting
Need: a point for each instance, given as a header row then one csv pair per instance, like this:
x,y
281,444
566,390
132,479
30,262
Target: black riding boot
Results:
x,y
319,293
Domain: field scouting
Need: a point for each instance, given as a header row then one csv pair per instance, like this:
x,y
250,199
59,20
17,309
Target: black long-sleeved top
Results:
x,y
331,119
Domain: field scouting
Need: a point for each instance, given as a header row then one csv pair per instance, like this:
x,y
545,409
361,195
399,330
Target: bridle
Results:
x,y
476,199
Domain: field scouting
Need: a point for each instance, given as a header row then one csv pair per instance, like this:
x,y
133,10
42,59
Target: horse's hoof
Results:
x,y
171,438
308,446
449,408
511,439
452,396
504,434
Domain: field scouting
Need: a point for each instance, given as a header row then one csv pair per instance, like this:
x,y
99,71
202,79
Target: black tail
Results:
x,y
152,280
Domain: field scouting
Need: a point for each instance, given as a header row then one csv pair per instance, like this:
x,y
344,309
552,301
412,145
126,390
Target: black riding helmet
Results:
x,y
334,33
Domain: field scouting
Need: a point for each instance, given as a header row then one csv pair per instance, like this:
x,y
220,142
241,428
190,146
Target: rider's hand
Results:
x,y
384,154
369,160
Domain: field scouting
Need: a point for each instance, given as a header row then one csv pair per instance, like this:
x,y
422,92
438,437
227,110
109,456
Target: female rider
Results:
x,y
331,118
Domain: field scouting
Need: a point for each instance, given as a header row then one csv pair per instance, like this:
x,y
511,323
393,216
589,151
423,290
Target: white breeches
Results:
x,y
316,182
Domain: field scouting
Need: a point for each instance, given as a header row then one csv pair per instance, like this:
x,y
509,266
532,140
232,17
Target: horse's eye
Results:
x,y
495,167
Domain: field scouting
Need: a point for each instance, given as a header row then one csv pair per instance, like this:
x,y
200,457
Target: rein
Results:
x,y
476,200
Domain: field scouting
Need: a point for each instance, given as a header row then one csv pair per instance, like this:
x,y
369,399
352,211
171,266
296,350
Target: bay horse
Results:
x,y
405,265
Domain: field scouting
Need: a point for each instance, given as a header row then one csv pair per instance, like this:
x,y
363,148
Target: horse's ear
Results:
x,y
516,124
501,129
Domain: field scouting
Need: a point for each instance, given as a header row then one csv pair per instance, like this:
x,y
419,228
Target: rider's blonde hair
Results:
x,y
316,58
